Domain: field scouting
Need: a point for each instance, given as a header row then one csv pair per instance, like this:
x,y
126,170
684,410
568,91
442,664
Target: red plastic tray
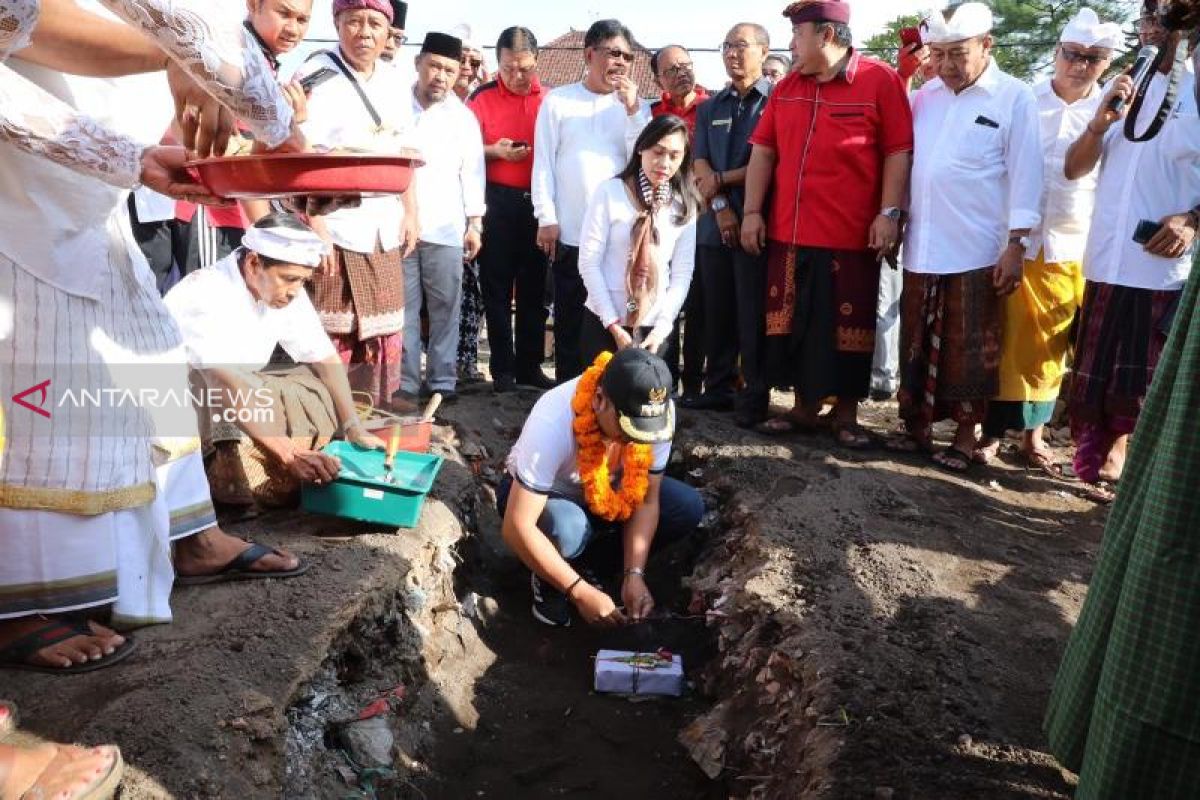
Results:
x,y
319,174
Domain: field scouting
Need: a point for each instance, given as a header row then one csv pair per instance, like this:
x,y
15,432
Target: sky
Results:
x,y
694,23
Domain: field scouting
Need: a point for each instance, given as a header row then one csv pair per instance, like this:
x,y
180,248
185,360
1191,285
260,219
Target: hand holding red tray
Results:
x,y
276,175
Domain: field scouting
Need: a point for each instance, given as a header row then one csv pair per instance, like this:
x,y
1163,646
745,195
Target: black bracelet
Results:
x,y
574,583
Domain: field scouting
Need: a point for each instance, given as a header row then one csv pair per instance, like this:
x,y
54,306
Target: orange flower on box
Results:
x,y
602,500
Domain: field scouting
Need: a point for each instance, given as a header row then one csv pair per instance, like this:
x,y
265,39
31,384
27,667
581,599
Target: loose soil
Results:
x,y
875,628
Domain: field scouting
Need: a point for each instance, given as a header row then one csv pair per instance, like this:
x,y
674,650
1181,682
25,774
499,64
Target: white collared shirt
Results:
x,y
604,253
583,139
451,183
977,172
223,325
1066,205
1148,181
338,118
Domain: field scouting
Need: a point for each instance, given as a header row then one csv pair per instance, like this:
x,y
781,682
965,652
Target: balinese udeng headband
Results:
x,y
968,21
818,11
1087,30
286,244
382,6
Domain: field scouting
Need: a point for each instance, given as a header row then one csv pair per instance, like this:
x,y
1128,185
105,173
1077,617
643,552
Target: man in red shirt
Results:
x,y
511,261
675,74
834,147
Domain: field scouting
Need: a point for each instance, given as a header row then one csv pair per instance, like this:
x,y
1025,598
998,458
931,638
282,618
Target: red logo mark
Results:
x,y
41,388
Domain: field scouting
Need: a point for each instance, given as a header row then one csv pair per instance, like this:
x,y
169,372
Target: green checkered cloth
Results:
x,y
1125,711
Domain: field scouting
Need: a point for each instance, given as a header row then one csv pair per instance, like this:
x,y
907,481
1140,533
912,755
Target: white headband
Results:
x,y
968,21
1086,29
285,244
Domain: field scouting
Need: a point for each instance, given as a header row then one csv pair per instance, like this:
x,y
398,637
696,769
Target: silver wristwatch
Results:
x,y
892,213
719,203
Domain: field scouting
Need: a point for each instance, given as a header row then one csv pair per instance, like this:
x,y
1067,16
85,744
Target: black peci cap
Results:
x,y
442,44
399,14
638,383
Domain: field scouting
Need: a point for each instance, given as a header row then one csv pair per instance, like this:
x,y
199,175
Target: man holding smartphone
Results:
x,y
511,263
1138,257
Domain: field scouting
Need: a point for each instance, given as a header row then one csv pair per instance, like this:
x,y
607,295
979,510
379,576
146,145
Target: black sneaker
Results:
x,y
537,380
503,383
550,606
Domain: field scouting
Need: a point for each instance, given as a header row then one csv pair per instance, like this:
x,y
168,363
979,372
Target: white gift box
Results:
x,y
615,674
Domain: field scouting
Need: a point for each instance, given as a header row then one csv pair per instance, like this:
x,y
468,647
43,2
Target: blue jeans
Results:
x,y
571,527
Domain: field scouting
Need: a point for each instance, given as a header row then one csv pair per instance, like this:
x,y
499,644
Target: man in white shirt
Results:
x,y
552,502
1138,258
976,194
233,314
450,191
584,132
1038,317
358,290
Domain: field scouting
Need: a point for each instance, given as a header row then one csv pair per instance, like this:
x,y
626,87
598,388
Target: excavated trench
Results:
x,y
445,686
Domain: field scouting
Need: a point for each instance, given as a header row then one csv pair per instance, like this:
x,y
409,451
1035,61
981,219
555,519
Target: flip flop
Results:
x,y
102,788
905,442
16,654
239,569
946,458
788,425
860,437
1100,493
1044,462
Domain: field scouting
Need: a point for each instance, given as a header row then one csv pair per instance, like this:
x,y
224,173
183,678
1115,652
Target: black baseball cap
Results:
x,y
638,384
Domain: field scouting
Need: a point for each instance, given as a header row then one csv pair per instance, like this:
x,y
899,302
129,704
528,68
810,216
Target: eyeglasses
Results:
x,y
616,52
679,70
727,47
398,38
1076,57
472,62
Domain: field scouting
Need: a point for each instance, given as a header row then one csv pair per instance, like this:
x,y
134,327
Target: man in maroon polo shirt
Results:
x,y
675,74
834,146
510,261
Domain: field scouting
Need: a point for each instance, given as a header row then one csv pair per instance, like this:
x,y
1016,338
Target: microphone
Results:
x,y
1146,58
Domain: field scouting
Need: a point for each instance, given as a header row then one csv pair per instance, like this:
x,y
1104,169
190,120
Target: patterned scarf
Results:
x,y
642,268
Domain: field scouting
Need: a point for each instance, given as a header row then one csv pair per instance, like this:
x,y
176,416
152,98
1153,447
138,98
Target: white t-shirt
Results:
x,y
224,326
544,459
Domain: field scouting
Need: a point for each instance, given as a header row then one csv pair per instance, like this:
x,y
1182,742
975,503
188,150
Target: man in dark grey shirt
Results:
x,y
734,280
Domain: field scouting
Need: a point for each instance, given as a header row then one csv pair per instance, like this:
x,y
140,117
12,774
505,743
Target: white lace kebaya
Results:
x,y
213,46
17,20
39,123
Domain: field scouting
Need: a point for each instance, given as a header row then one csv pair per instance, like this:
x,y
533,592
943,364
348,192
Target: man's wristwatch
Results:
x,y
719,203
1023,241
892,213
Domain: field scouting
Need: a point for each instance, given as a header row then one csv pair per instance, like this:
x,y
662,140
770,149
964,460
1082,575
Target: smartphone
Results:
x,y
309,82
909,37
1145,231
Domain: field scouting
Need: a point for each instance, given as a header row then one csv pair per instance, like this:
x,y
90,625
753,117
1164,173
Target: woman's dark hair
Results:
x,y
518,40
658,129
605,29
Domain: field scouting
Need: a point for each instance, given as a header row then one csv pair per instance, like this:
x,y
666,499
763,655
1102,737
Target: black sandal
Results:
x,y
239,569
946,458
16,654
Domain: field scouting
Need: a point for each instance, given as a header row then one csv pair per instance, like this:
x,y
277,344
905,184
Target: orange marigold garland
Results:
x,y
602,500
